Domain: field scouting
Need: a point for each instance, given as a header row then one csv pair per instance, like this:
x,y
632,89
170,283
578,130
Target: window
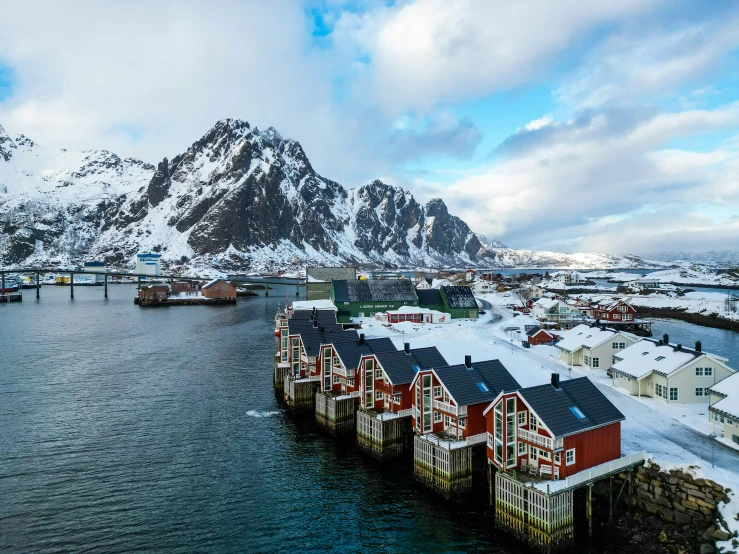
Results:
x,y
446,421
378,395
437,417
521,419
437,392
483,387
557,458
709,371
521,448
699,371
619,345
576,411
378,374
661,391
532,422
533,453
397,397
673,394
586,360
622,308
462,423
699,391
596,362
336,379
570,457
543,454
445,397
627,317
350,382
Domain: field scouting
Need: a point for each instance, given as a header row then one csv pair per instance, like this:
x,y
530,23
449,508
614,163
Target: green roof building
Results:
x,y
365,298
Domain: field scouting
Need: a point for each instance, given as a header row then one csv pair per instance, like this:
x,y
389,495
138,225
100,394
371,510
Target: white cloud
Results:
x,y
539,123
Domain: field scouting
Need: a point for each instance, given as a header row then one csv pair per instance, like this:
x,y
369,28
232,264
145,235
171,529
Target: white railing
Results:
x,y
406,412
355,394
339,371
477,439
604,469
541,440
462,411
314,378
445,407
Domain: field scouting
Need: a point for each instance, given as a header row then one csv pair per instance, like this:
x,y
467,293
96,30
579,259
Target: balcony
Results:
x,y
448,408
540,440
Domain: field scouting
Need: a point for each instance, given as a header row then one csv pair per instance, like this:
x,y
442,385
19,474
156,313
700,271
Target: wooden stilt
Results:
x,y
38,286
106,286
71,285
589,510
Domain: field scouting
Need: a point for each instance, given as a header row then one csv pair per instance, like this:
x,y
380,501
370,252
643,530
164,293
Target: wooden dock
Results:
x,y
199,301
12,297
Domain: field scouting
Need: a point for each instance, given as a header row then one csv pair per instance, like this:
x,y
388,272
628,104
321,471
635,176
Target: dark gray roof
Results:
x,y
399,366
306,326
351,352
386,290
323,315
312,341
463,383
429,297
459,297
535,329
552,406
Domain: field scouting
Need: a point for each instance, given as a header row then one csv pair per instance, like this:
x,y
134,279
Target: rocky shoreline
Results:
x,y
711,320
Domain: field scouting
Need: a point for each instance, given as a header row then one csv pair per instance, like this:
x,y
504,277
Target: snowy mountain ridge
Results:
x,y
238,198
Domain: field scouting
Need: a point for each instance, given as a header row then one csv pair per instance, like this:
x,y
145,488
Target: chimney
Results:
x,y
315,324
666,339
698,346
659,342
361,338
322,328
407,347
468,361
679,346
555,380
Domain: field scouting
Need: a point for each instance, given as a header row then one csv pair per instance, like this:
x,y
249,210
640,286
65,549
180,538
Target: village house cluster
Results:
x,y
187,292
535,443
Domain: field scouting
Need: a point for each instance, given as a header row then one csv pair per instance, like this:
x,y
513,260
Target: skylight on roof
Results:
x,y
483,387
658,358
576,411
644,353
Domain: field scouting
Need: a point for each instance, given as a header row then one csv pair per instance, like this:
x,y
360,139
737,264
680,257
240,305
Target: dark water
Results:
x,y
128,430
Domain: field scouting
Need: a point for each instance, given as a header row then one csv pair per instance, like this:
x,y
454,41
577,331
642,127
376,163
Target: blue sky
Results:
x,y
607,126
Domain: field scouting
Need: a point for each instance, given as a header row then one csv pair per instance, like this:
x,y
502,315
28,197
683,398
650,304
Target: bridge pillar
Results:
x,y
3,291
266,290
139,285
106,286
38,286
71,285
297,290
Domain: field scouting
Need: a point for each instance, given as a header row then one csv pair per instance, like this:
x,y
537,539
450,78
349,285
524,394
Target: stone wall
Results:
x,y
678,498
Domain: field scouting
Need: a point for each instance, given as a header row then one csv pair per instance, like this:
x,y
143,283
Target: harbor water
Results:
x,y
124,429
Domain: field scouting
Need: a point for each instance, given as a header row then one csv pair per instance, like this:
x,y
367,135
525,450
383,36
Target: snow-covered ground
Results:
x,y
699,302
672,435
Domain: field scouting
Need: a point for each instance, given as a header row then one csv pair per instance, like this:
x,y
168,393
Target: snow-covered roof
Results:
x,y
414,310
584,336
546,303
310,304
645,356
211,283
728,387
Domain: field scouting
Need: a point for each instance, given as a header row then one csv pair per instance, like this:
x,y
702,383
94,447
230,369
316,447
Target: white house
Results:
x,y
569,277
555,311
592,346
148,264
643,283
671,372
724,407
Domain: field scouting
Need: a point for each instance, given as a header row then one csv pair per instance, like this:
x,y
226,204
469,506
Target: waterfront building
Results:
x,y
95,266
366,298
459,302
670,372
218,289
556,312
385,398
154,293
148,264
447,416
593,346
318,280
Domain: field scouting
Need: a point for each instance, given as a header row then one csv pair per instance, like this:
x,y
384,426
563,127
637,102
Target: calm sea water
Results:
x,y
128,430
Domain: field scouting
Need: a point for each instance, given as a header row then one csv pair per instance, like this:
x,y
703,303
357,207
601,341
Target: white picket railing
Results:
x,y
477,439
540,440
355,394
446,407
604,469
407,412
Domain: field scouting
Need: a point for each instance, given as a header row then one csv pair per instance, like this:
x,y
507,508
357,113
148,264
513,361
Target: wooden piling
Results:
x,y
336,414
382,439
71,285
38,286
589,510
444,470
299,394
106,286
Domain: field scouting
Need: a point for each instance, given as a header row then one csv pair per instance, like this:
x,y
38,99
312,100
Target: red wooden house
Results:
x,y
537,335
614,310
340,359
451,400
385,376
553,430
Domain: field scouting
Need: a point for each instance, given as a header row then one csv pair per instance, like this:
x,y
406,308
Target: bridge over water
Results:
x,y
241,279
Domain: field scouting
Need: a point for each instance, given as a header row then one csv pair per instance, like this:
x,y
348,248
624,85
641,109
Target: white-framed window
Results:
x,y
557,458
336,379
699,391
446,421
350,382
622,308
627,317
378,374
533,453
699,371
709,371
673,394
437,417
596,362
586,360
522,448
619,345
445,397
521,419
543,454
570,457
533,423
378,395
437,392
462,423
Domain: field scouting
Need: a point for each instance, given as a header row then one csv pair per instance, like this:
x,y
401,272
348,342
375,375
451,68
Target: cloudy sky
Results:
x,y
608,126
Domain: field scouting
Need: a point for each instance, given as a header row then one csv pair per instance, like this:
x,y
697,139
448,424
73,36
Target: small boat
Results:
x,y
11,285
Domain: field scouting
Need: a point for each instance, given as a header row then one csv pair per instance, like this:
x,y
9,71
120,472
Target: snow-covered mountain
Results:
x,y
488,243
238,198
